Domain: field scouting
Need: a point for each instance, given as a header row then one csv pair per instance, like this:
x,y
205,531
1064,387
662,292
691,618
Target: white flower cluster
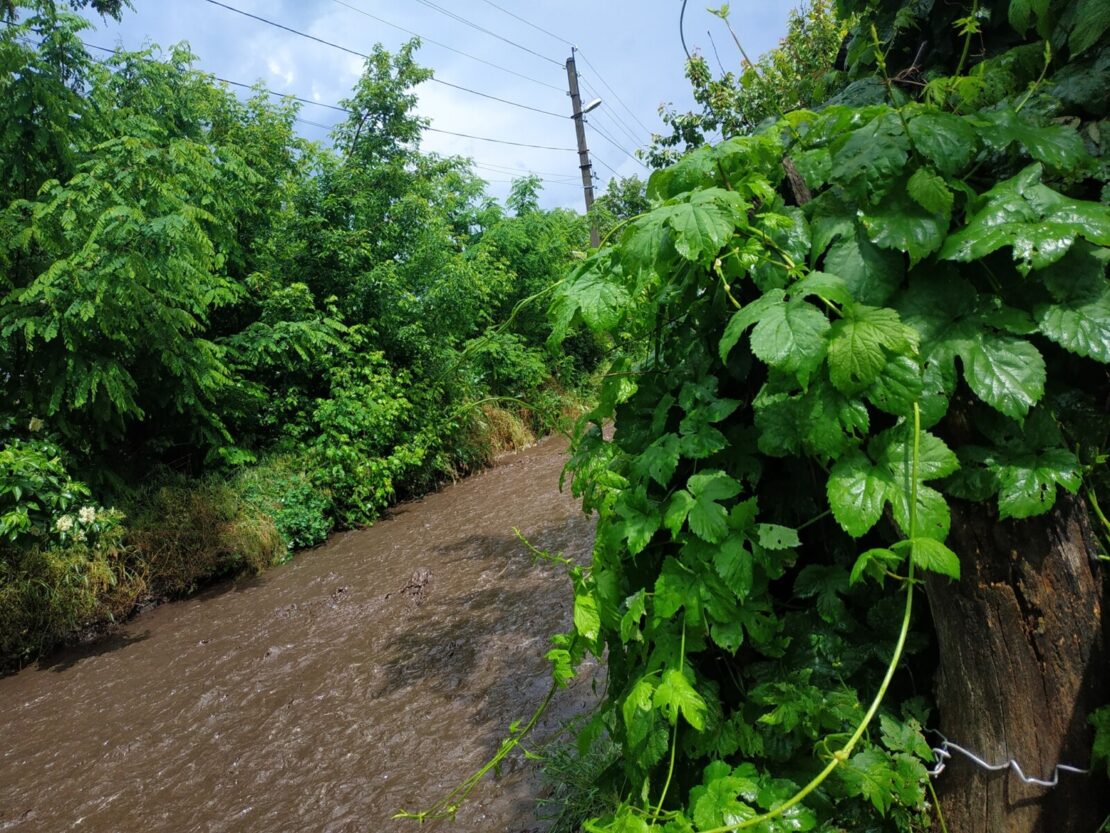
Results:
x,y
69,527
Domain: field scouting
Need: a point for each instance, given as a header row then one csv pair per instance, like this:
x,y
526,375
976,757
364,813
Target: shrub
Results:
x,y
191,531
280,488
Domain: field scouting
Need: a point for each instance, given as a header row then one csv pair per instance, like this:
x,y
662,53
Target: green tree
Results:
x,y
798,73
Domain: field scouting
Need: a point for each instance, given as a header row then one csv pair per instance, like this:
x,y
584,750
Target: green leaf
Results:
x,y
875,563
707,518
930,191
1092,19
1007,373
659,460
871,274
930,554
860,345
899,385
1039,224
869,773
675,695
746,317
904,737
704,223
733,564
791,337
1058,147
873,154
946,140
775,537
587,621
639,519
899,223
591,294
630,621
1080,326
856,492
1027,483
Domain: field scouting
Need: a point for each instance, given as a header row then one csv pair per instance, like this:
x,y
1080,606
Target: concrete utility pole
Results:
x,y
583,152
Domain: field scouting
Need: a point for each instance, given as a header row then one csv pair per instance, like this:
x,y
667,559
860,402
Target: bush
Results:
x,y
280,488
49,594
192,531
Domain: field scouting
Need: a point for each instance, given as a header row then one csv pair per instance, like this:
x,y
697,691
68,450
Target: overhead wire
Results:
x,y
610,116
356,53
325,105
528,22
609,139
480,28
609,87
426,39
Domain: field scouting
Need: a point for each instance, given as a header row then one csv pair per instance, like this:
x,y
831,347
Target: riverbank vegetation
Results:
x,y
220,341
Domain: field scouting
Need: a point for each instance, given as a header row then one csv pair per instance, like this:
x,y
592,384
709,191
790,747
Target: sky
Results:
x,y
630,55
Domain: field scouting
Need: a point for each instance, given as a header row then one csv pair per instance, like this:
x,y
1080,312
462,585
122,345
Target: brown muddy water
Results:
x,y
371,674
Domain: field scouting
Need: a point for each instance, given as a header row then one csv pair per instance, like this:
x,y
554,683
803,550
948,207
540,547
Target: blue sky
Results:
x,y
630,56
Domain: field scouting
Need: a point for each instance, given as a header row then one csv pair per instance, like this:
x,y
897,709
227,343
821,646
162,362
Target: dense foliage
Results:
x,y
237,338
808,369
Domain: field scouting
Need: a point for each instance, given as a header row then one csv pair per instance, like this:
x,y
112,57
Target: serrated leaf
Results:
x,y
1057,146
1027,483
703,224
706,517
630,621
875,563
870,273
862,342
659,459
898,386
676,696
791,337
587,621
873,154
775,537
899,223
871,775
930,554
733,564
904,737
1039,224
930,191
677,509
1007,373
746,317
639,520
946,140
1092,19
1082,327
856,493
933,518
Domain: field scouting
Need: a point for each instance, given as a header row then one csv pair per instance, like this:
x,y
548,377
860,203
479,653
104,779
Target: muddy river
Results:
x,y
368,675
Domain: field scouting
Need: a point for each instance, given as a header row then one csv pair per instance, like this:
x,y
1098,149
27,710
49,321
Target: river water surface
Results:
x,y
371,674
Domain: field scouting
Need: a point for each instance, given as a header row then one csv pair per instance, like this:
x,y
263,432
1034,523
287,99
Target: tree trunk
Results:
x,y
1022,664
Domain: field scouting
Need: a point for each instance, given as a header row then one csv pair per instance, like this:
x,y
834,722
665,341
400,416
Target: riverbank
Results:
x,y
179,535
324,694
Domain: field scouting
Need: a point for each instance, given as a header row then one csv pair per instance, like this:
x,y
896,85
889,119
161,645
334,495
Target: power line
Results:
x,y
507,169
499,141
604,164
609,139
610,115
614,92
428,128
528,23
445,46
365,56
474,25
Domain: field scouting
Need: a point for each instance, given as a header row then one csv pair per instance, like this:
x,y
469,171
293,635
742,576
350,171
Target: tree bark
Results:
x,y
1022,664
